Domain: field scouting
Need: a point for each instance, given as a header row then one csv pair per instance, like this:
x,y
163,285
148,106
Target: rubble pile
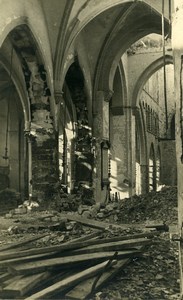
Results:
x,y
160,206
62,201
152,206
154,276
143,259
33,269
53,228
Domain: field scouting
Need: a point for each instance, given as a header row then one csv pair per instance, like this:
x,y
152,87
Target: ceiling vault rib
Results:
x,y
61,39
120,21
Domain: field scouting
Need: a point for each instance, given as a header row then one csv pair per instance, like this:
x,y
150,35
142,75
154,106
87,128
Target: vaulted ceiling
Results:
x,y
104,28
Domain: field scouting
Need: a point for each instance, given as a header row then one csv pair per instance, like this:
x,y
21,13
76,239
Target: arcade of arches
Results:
x,y
91,95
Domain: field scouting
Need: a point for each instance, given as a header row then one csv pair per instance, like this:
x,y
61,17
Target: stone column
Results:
x,y
44,153
28,139
44,139
123,164
144,178
131,149
177,45
101,134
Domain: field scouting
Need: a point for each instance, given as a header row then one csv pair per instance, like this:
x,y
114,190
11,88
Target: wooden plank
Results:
x,y
85,237
22,243
160,227
62,285
66,262
10,280
53,278
113,246
97,224
18,256
4,277
5,263
84,289
66,246
73,244
19,287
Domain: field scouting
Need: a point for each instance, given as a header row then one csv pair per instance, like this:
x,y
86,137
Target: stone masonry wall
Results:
x,y
168,163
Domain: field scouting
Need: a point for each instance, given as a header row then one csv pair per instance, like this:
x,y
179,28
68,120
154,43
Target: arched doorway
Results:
x,y
34,115
13,146
76,110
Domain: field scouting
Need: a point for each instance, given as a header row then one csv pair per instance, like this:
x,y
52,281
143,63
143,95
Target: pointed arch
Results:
x,y
152,68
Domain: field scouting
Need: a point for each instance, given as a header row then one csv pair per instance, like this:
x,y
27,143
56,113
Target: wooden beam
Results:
x,y
53,278
22,243
20,286
98,224
84,289
4,277
73,244
85,237
62,285
66,262
10,280
5,263
113,246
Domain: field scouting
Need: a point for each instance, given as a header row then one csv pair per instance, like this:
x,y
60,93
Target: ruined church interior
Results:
x,y
91,149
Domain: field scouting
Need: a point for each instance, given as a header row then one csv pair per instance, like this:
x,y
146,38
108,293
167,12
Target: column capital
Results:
x,y
58,96
101,96
105,95
108,95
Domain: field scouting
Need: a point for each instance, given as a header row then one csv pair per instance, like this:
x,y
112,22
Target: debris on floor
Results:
x,y
43,272
160,205
74,255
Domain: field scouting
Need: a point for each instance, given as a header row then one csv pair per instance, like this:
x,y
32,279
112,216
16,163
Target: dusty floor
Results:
x,y
153,276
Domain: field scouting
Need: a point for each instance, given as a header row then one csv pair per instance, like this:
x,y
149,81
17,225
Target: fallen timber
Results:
x,y
72,246
86,288
66,262
21,243
43,273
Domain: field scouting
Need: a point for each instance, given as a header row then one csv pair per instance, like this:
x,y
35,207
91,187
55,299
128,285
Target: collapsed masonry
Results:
x,y
97,250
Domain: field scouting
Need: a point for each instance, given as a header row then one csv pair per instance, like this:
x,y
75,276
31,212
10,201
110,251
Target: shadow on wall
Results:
x,y
121,188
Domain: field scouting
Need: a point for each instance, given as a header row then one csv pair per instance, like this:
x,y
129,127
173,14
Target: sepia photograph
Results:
x,y
91,149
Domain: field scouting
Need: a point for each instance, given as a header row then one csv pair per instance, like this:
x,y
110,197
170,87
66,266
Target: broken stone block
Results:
x,y
103,210
46,239
54,219
86,214
20,210
61,238
13,230
97,206
109,207
115,218
80,210
100,215
93,212
9,215
70,225
159,277
58,226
